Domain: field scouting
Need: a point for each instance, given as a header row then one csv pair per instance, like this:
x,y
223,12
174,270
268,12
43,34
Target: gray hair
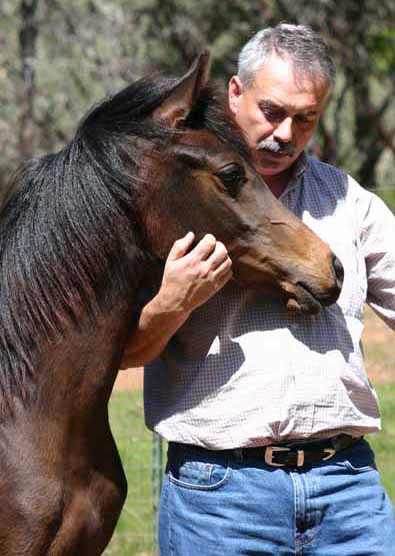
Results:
x,y
306,49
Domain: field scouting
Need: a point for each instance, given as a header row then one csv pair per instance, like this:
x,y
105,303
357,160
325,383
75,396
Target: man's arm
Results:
x,y
189,280
378,233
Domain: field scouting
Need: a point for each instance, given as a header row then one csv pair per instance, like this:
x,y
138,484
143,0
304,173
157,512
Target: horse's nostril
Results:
x,y
339,270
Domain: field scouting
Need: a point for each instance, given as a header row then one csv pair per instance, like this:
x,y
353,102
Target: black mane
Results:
x,y
72,220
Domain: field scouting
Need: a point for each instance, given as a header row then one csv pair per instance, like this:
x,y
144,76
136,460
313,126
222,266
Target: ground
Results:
x,y
379,347
130,379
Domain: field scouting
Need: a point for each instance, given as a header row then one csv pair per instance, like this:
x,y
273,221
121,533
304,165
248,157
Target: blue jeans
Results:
x,y
213,505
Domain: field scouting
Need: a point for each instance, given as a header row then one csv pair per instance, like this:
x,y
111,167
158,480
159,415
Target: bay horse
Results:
x,y
79,237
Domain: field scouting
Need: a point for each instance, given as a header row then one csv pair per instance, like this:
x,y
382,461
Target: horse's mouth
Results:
x,y
300,300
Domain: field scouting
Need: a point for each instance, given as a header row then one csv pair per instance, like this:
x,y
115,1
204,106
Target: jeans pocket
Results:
x,y
359,459
356,467
199,475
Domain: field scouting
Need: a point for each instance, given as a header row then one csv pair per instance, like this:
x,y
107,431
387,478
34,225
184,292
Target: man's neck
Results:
x,y
278,183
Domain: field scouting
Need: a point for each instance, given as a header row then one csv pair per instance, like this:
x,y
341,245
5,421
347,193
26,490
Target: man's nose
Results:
x,y
283,131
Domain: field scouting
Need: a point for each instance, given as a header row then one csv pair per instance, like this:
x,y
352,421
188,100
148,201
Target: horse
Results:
x,y
80,236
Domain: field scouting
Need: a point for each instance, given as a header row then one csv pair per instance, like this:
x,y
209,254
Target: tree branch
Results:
x,y
27,48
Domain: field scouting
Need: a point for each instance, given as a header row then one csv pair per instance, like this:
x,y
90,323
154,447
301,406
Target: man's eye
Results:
x,y
305,119
273,115
233,177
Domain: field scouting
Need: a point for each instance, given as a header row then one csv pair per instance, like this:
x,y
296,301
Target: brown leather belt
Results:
x,y
287,454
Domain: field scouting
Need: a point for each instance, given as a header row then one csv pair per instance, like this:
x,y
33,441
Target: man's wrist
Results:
x,y
163,307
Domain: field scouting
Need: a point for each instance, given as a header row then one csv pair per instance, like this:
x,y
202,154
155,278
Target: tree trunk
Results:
x,y
27,49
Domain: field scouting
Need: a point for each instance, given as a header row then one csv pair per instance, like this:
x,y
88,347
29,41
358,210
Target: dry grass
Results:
x,y
130,379
379,347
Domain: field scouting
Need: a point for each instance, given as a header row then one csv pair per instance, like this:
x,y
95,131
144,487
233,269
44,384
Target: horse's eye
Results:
x,y
233,177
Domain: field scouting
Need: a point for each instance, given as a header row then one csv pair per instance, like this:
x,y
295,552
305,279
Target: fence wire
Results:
x,y
142,455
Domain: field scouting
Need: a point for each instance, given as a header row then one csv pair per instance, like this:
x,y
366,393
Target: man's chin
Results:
x,y
273,163
272,169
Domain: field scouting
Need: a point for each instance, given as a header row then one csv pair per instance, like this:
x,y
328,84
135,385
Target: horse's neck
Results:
x,y
78,370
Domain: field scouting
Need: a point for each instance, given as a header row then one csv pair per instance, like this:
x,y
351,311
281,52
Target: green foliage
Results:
x,y
388,196
86,49
381,47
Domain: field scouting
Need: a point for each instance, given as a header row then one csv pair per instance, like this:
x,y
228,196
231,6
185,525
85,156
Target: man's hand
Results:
x,y
191,278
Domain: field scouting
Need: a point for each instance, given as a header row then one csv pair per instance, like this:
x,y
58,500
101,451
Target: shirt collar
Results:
x,y
299,168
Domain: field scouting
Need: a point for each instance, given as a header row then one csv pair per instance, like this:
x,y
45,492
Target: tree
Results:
x,y
57,58
26,91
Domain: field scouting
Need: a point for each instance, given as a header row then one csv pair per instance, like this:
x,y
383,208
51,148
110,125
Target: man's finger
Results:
x,y
219,256
181,247
223,279
205,247
224,268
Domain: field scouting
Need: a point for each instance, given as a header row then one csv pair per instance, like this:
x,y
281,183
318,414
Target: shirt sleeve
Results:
x,y
378,244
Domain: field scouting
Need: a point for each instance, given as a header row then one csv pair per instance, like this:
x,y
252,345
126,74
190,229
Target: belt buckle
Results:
x,y
269,455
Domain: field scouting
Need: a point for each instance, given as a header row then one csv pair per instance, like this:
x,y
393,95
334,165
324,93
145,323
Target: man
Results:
x,y
265,412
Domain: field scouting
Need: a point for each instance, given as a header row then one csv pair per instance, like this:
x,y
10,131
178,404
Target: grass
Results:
x,y
388,196
383,443
378,342
134,535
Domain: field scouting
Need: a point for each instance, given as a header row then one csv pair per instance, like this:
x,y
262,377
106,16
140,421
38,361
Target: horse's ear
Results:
x,y
179,103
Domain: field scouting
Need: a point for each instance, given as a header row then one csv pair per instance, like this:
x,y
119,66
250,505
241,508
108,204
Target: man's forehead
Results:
x,y
279,73
271,86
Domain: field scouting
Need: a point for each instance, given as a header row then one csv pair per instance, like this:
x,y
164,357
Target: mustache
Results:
x,y
276,147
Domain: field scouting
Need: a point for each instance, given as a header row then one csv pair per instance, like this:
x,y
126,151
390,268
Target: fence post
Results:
x,y
157,473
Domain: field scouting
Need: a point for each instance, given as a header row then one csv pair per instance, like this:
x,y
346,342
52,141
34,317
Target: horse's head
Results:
x,y
202,181
174,145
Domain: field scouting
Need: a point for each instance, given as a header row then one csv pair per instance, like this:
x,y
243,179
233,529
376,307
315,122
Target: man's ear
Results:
x,y
186,91
235,91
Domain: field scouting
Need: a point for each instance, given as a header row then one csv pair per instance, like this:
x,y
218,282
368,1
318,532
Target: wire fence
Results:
x,y
142,455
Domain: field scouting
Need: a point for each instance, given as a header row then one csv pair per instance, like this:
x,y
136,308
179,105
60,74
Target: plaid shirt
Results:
x,y
243,372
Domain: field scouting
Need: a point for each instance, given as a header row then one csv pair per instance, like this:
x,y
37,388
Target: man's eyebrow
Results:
x,y
267,103
311,112
270,104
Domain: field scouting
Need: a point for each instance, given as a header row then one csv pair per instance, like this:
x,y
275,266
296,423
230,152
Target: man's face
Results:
x,y
277,113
